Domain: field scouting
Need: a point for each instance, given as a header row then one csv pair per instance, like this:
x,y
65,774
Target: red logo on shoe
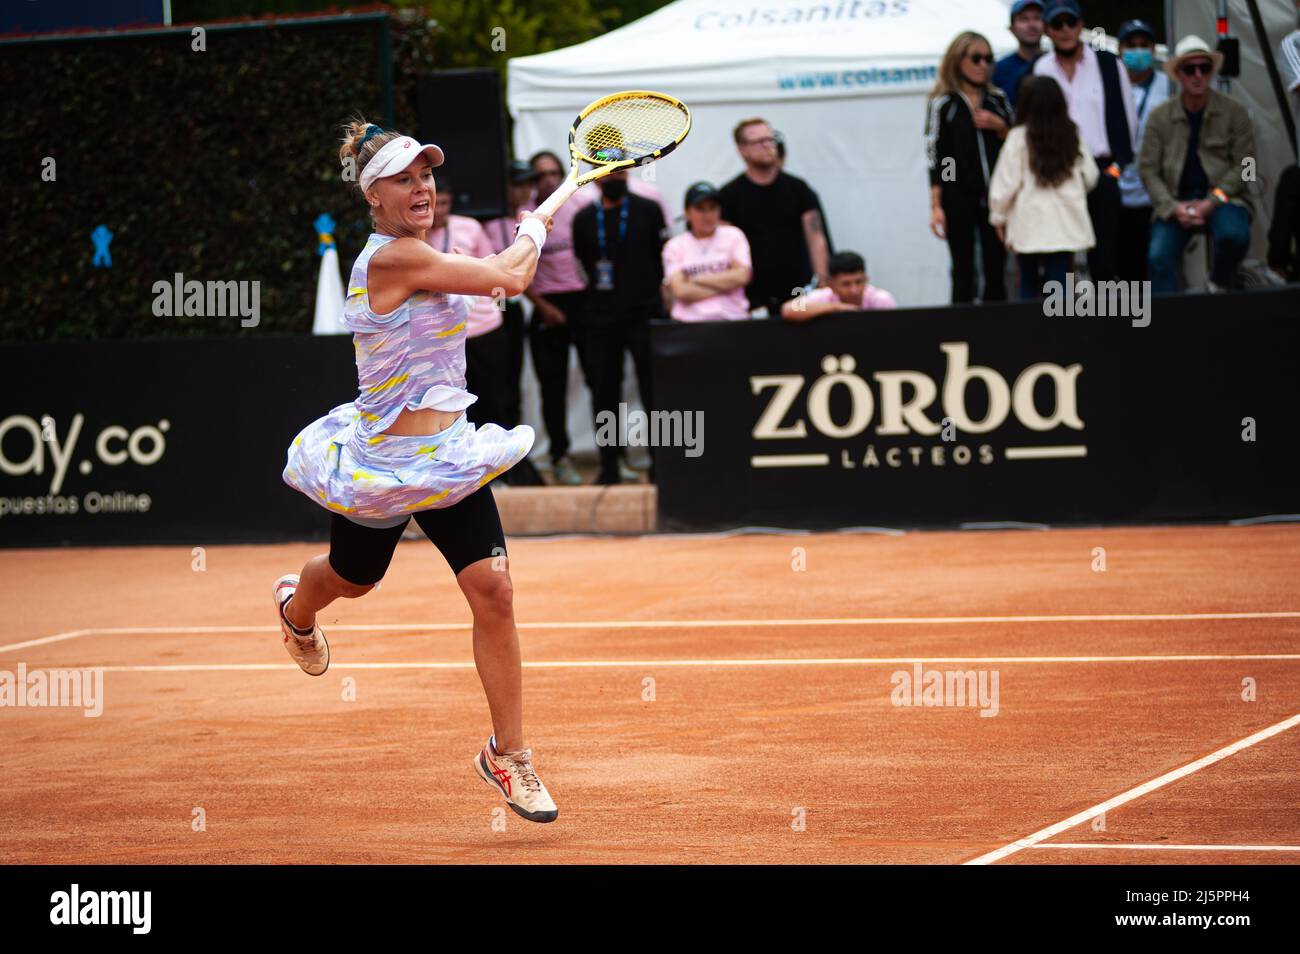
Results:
x,y
502,776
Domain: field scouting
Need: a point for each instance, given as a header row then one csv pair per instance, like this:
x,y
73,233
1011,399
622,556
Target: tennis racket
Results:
x,y
620,131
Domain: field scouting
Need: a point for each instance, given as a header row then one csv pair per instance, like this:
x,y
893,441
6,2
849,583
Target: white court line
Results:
x,y
704,663
1084,844
676,624
56,638
1088,814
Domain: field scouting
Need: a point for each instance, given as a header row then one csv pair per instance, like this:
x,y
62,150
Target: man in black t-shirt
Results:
x,y
618,241
779,215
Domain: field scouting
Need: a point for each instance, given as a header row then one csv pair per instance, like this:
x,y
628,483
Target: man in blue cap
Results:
x,y
1137,44
1027,26
1100,99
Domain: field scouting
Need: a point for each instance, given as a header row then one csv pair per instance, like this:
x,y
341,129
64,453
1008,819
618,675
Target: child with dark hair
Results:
x,y
848,290
1038,200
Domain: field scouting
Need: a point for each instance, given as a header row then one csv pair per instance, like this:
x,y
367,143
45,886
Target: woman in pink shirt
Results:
x,y
849,290
708,266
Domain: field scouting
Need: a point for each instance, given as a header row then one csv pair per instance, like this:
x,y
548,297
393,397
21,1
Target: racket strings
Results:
x,y
630,128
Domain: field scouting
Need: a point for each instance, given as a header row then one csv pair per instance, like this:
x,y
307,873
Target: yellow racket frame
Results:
x,y
604,166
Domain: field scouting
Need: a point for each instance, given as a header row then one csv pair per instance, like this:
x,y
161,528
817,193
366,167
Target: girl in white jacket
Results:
x,y
1038,199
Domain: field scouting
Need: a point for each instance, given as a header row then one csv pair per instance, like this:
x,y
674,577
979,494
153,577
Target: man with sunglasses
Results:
x,y
1192,159
1100,98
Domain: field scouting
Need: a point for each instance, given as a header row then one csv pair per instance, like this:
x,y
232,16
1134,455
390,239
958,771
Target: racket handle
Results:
x,y
558,197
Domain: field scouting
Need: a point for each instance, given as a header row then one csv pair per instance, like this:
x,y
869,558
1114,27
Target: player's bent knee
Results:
x,y
494,594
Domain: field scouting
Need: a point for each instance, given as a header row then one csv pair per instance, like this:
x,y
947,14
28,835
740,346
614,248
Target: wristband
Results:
x,y
1221,196
535,230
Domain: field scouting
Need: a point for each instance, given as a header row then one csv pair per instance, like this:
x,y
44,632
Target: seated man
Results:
x,y
1191,164
848,291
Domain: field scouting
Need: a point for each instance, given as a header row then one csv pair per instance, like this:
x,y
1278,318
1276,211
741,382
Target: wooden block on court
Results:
x,y
624,508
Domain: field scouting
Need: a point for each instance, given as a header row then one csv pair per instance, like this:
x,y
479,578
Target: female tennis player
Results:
x,y
404,448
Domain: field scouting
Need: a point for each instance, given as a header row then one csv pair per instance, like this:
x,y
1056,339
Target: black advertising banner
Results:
x,y
161,441
914,418
944,417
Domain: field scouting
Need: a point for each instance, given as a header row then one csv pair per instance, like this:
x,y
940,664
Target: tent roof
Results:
x,y
728,50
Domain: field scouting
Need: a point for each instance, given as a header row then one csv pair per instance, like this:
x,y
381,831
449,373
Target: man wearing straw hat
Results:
x,y
1192,163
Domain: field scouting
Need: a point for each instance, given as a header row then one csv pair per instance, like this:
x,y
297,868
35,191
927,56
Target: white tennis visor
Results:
x,y
396,156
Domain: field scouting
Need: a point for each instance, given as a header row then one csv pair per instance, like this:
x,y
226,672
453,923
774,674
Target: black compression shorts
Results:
x,y
465,533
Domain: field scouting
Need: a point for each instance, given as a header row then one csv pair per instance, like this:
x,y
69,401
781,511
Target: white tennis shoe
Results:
x,y
311,652
513,776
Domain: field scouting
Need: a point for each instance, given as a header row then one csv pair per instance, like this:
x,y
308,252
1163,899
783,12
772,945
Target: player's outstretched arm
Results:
x,y
413,266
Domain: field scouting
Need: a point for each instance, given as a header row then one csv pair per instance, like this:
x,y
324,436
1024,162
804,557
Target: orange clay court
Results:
x,y
770,711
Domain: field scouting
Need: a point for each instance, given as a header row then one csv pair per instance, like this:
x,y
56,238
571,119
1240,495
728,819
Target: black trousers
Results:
x,y
487,374
1134,242
1104,206
1284,232
968,217
550,350
600,350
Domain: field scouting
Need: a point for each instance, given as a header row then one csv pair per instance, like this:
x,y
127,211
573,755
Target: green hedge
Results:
x,y
213,164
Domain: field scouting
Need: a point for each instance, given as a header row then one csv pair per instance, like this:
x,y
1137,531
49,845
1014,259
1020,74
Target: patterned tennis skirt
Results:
x,y
381,479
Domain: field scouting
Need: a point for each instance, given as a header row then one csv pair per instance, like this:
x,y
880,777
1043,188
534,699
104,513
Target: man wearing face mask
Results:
x,y
1137,44
618,241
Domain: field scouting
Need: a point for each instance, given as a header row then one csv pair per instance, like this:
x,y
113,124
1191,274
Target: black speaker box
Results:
x,y
461,111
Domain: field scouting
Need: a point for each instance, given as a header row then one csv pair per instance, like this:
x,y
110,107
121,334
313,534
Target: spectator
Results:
x,y
501,235
1101,105
1137,44
558,294
848,290
1027,26
1039,198
1284,233
1191,164
778,214
967,120
618,240
707,267
486,351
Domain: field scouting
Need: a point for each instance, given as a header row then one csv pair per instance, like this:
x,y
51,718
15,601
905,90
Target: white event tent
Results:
x,y
845,82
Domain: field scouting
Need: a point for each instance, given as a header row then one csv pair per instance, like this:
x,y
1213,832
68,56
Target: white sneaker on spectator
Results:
x,y
565,473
